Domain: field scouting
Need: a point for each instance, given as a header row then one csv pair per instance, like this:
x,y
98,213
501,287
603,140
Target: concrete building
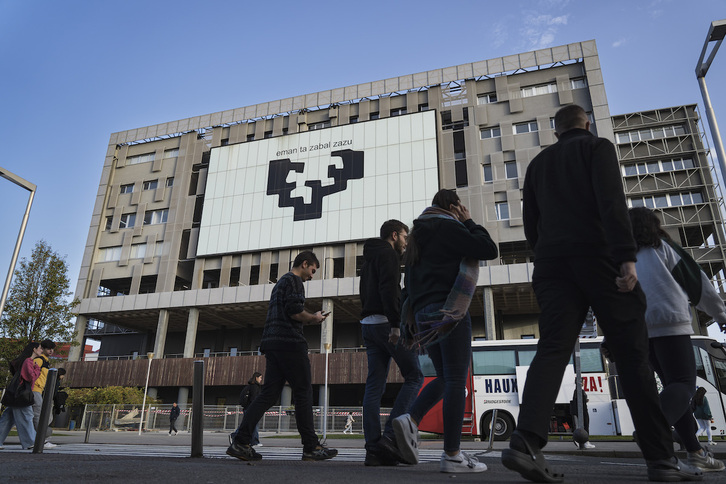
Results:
x,y
195,219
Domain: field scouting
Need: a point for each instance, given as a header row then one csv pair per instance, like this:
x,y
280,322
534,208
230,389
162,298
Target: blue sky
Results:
x,y
74,72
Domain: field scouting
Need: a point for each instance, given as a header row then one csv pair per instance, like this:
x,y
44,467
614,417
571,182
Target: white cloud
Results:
x,y
619,43
539,31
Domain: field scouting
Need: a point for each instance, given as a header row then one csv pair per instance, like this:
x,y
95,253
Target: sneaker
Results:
x,y
460,463
320,452
705,462
231,438
258,445
243,452
673,470
388,447
406,438
588,445
49,445
711,442
175,432
379,460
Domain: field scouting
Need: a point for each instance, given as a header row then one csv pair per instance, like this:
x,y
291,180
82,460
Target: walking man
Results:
x,y
173,415
576,221
43,362
286,359
380,295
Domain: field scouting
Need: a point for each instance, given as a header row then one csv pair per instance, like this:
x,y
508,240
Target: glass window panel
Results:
x,y
511,169
591,360
679,130
526,357
642,169
697,197
645,134
676,200
658,132
653,167
668,165
688,163
630,170
487,173
661,201
649,202
637,202
499,362
668,130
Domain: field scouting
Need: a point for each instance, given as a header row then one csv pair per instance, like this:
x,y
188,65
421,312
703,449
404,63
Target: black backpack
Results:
x,y
244,397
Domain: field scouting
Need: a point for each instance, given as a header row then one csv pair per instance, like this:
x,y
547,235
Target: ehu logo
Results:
x,y
277,183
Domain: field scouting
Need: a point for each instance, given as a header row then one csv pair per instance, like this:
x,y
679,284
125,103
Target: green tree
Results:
x,y
107,395
39,305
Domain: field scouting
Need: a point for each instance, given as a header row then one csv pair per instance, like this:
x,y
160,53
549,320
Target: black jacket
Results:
x,y
380,281
249,393
174,414
442,243
574,203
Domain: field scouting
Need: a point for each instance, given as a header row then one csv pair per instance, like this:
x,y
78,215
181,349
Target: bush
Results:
x,y
107,396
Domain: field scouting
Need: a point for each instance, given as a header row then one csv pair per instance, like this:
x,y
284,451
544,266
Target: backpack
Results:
x,y
19,393
244,397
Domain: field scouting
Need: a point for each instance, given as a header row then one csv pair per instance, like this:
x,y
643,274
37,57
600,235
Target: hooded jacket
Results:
x,y
380,281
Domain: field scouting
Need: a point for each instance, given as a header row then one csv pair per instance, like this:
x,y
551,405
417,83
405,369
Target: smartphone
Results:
x,y
326,314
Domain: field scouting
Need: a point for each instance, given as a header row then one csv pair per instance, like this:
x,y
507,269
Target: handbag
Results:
x,y
19,393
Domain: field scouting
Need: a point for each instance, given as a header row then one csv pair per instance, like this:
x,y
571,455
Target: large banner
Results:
x,y
324,186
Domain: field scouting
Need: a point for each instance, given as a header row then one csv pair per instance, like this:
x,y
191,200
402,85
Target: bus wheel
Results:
x,y
503,427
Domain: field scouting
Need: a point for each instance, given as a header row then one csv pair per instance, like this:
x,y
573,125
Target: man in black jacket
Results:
x,y
380,294
576,221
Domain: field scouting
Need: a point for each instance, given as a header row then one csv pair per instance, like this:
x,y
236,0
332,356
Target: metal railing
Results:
x,y
222,354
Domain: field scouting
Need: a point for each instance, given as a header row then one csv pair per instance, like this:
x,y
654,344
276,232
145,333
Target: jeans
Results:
x,y
22,418
451,358
380,352
565,289
37,407
172,426
281,366
672,358
255,440
705,426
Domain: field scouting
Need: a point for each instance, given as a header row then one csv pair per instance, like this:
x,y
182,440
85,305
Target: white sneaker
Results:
x,y
406,438
49,445
705,462
460,463
258,445
588,445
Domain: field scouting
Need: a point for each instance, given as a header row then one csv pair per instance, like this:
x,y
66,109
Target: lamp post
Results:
x,y
150,356
716,34
31,188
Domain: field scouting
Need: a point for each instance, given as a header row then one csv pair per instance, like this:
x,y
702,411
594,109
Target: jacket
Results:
x,y
380,281
574,203
442,243
670,278
174,414
703,411
249,393
43,363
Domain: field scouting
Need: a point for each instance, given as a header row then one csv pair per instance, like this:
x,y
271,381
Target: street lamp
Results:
x,y
150,356
715,34
31,188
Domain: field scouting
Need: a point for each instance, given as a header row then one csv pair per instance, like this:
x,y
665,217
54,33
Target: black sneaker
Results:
x,y
320,452
379,460
389,447
243,452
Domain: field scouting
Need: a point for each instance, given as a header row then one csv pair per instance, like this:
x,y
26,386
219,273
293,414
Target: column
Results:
x,y
161,328
489,322
286,397
191,337
326,328
75,353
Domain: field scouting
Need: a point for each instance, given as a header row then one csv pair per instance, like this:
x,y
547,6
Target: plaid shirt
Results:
x,y
281,332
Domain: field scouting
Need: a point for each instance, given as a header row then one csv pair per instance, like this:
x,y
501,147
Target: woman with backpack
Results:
x,y
247,396
702,412
18,413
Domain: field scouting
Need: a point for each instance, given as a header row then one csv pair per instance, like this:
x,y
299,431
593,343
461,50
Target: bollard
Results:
x,y
198,410
491,429
88,427
46,411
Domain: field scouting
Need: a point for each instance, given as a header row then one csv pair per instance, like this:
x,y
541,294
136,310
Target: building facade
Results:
x,y
196,219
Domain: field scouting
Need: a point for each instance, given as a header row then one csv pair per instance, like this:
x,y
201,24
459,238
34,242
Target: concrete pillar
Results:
x,y
182,397
161,328
326,328
489,322
75,353
152,393
191,337
286,396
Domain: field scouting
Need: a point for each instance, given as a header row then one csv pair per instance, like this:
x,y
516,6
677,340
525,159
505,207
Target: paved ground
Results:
x,y
116,457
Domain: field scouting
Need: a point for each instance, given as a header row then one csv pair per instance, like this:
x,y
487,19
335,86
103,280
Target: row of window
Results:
x,y
138,251
147,185
510,170
529,91
667,200
151,217
147,157
659,166
505,361
651,133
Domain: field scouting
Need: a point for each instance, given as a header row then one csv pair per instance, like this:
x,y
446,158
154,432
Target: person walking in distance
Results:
x,y
173,415
286,359
442,269
20,414
380,295
43,361
702,413
576,221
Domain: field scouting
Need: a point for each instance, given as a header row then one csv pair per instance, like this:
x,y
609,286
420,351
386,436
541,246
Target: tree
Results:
x,y
38,305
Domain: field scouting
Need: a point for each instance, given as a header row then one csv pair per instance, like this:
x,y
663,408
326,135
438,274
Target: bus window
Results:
x,y
494,362
591,360
526,357
720,373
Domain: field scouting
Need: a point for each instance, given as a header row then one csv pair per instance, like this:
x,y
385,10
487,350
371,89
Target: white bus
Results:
x,y
499,371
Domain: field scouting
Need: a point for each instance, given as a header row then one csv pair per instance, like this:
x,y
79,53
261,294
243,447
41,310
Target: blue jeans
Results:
x,y
380,352
451,358
22,418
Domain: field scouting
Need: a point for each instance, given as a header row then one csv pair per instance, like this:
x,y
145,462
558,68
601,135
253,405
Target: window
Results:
x,y
647,134
552,123
136,159
172,153
493,362
127,188
109,254
510,168
578,83
489,98
528,127
138,251
153,217
423,107
268,134
150,184
487,172
109,219
669,200
251,137
486,133
353,119
314,126
398,111
462,179
375,115
127,221
502,209
170,181
539,90
659,166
